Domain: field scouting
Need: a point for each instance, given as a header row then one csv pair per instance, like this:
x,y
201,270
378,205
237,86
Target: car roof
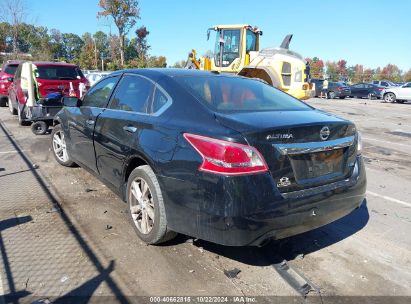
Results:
x,y
42,63
172,72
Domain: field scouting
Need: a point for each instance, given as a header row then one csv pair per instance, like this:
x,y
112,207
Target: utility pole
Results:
x,y
95,54
102,61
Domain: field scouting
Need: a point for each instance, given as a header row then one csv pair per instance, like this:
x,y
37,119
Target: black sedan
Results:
x,y
337,89
367,90
223,158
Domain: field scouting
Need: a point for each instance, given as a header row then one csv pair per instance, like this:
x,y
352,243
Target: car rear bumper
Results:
x,y
342,93
248,210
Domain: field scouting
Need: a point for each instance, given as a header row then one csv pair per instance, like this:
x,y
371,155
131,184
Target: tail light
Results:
x,y
380,89
224,157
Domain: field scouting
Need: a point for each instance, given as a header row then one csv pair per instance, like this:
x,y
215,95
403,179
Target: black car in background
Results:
x,y
318,86
367,90
338,89
223,158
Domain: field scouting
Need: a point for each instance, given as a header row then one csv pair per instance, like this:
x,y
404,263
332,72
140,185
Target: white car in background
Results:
x,y
96,76
398,94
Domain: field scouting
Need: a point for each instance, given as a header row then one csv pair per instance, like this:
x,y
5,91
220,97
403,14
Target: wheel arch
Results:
x,y
130,164
263,73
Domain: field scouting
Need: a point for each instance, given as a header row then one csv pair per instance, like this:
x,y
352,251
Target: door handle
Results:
x,y
90,122
130,129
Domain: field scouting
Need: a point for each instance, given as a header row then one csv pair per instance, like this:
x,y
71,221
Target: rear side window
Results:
x,y
235,94
11,69
133,94
160,101
99,94
54,72
385,84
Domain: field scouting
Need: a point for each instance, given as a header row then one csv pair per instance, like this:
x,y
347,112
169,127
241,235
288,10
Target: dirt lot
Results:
x,y
367,253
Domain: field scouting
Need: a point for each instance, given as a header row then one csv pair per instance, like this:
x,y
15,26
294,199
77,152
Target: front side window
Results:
x,y
385,84
99,94
133,94
237,94
231,47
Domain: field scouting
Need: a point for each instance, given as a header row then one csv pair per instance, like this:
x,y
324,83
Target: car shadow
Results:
x,y
288,249
83,293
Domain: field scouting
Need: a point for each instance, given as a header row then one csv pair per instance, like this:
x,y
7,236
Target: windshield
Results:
x,y
54,72
231,47
11,69
237,94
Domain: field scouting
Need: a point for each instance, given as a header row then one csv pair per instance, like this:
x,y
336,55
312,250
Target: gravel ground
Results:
x,y
367,253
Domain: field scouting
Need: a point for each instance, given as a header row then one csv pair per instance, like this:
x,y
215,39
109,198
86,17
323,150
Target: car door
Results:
x,y
364,90
404,92
119,127
81,121
129,127
355,89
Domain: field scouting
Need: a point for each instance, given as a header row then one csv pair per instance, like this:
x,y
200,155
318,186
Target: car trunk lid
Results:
x,y
303,149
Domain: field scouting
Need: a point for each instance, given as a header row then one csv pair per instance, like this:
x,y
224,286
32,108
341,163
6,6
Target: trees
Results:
x,y
87,58
316,67
13,12
124,13
407,76
72,45
358,75
332,70
391,72
179,64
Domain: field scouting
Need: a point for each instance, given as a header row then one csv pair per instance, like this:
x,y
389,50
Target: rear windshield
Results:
x,y
54,72
232,94
11,69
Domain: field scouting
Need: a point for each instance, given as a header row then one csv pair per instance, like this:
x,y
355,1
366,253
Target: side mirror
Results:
x,y
71,101
10,79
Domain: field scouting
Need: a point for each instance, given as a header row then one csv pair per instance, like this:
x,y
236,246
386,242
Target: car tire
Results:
x,y
58,147
331,95
389,97
39,127
147,213
13,111
342,97
21,116
3,101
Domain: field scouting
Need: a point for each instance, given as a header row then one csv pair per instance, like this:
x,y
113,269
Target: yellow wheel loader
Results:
x,y
237,50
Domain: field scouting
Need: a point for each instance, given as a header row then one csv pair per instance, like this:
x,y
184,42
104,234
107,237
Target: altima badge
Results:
x,y
279,136
324,133
284,182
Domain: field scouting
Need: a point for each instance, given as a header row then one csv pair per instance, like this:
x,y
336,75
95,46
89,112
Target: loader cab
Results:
x,y
233,45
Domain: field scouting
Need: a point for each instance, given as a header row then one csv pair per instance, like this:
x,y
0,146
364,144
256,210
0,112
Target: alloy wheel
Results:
x,y
389,97
59,146
142,205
